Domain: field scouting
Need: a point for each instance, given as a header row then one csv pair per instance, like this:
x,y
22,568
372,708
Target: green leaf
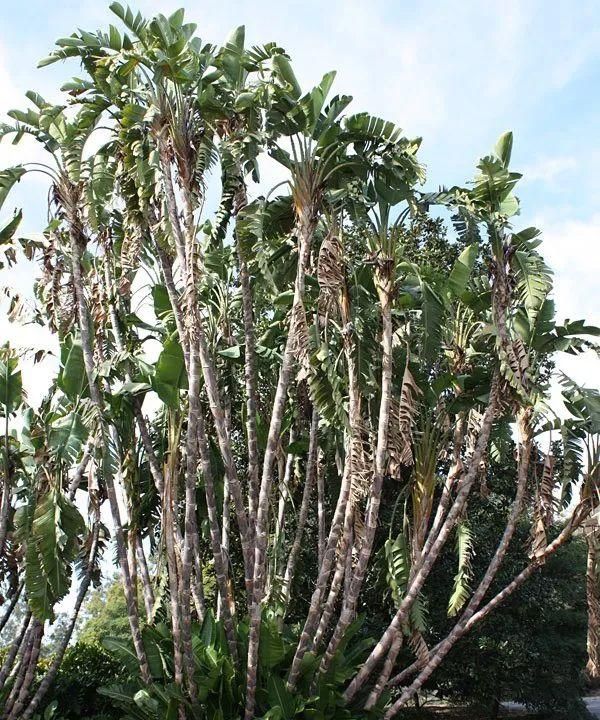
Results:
x,y
433,314
8,178
280,697
169,375
124,651
503,148
534,280
11,385
52,547
133,388
233,352
459,276
66,437
271,651
7,232
464,550
237,38
283,68
398,566
72,378
146,702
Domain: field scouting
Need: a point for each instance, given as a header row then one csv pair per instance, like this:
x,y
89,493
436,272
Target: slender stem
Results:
x,y
77,243
311,472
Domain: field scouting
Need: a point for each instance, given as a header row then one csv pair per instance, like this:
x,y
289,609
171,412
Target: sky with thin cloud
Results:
x,y
456,73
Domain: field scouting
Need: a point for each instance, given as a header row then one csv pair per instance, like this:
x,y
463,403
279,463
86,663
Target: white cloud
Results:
x,y
572,249
548,169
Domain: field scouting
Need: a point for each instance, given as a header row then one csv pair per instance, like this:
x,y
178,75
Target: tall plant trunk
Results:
x,y
338,523
250,379
215,537
311,472
225,532
430,558
212,392
11,605
14,649
384,286
191,474
6,489
171,201
23,682
198,582
306,226
88,451
59,654
168,523
144,573
219,417
77,243
385,674
452,479
340,572
592,578
495,602
284,486
174,299
446,645
321,519
580,513
185,243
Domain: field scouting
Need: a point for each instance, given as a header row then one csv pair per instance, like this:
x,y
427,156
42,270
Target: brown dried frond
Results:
x,y
402,418
395,441
65,310
474,422
539,541
330,269
359,529
419,647
299,335
130,259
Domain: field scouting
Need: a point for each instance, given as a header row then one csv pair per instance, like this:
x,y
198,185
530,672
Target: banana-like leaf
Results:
x,y
8,178
534,280
170,376
398,566
52,547
464,550
433,316
72,378
66,437
7,232
461,272
11,385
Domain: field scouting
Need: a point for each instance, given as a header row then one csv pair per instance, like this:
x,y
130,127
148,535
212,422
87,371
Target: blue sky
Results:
x,y
456,73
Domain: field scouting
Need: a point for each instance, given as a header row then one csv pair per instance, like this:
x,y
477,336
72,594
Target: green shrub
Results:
x,y
85,668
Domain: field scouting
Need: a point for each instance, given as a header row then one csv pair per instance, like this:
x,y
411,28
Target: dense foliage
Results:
x,y
280,399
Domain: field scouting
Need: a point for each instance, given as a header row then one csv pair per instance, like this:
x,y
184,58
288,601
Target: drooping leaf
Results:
x,y
11,385
464,550
72,378
52,547
66,437
8,178
7,232
170,376
503,148
459,276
